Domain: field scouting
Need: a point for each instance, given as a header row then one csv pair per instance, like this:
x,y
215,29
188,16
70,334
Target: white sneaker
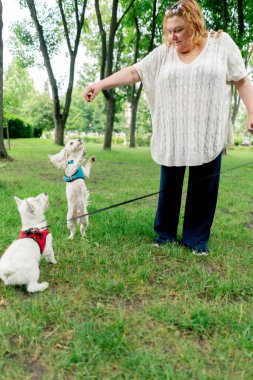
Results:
x,y
199,253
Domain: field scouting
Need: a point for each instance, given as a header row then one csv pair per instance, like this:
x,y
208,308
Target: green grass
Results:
x,y
117,307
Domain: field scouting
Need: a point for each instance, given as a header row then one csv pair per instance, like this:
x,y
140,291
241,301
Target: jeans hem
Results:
x,y
196,247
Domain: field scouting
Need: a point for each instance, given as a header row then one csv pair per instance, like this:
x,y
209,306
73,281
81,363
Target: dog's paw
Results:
x,y
92,159
43,286
36,287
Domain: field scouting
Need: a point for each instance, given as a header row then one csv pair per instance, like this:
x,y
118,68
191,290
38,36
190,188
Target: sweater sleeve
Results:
x,y
235,65
148,70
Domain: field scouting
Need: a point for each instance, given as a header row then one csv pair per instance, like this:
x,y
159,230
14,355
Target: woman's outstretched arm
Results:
x,y
123,77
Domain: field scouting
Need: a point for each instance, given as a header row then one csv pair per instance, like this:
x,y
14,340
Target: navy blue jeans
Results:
x,y
201,200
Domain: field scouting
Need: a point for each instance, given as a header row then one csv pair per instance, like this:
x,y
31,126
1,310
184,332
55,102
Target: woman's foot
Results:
x,y
159,243
200,253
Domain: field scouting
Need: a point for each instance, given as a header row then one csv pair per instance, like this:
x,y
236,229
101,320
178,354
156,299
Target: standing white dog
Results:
x,y
70,158
19,265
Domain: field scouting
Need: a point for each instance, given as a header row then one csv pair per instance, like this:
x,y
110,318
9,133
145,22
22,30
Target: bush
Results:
x,y
238,140
37,132
117,140
93,139
18,128
142,140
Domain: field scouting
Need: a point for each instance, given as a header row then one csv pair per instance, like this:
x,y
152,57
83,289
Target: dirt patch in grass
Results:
x,y
115,303
36,369
211,268
226,211
249,224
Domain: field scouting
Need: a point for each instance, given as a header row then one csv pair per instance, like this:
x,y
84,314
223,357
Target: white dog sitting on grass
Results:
x,y
19,265
70,159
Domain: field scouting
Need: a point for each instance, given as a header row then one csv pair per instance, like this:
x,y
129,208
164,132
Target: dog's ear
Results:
x,y
18,201
29,207
25,205
59,160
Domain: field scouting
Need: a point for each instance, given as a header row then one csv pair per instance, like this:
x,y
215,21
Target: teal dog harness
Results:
x,y
79,174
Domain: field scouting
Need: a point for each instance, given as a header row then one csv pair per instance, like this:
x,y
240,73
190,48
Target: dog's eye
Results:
x,y
71,143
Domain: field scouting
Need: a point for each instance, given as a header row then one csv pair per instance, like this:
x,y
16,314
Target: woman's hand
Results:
x,y
91,91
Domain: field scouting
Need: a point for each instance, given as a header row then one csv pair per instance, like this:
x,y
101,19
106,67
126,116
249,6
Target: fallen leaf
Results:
x,y
2,301
60,347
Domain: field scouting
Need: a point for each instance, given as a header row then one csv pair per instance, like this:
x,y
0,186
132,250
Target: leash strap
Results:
x,y
150,195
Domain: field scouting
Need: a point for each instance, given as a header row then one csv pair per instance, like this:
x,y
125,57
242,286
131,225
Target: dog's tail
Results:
x,y
59,160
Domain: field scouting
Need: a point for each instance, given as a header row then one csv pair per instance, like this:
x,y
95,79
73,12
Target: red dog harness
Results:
x,y
37,235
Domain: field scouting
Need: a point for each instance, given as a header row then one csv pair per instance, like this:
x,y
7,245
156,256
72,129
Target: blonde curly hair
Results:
x,y
191,13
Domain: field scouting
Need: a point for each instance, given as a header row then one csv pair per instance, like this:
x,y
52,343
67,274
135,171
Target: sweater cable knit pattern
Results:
x,y
190,103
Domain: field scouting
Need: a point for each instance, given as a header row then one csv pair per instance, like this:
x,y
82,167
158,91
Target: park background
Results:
x,y
117,307
44,81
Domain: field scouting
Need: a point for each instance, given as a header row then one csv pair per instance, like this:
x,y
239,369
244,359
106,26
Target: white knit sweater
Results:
x,y
190,103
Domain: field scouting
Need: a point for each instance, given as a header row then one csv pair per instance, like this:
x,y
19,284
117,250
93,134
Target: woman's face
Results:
x,y
178,33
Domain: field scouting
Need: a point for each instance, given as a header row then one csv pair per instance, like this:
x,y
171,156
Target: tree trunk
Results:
x,y
136,93
235,95
236,105
240,17
59,132
108,64
110,108
225,14
133,124
3,153
134,107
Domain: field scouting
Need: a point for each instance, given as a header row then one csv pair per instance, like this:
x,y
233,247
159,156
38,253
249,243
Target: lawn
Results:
x,y
117,307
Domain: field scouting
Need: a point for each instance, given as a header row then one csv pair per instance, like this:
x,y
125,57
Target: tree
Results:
x,y
234,17
86,117
38,110
3,153
18,87
109,61
149,24
65,22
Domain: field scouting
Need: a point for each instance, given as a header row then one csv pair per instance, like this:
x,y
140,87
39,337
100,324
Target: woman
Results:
x,y
187,81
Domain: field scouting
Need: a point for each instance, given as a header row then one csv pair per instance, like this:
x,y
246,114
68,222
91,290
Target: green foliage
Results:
x,y
143,124
18,128
25,44
238,140
91,117
217,19
86,117
38,110
37,132
143,140
18,87
25,102
117,307
94,139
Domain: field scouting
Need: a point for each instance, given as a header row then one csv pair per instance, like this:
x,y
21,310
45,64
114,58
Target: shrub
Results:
x,y
37,132
238,140
93,139
117,140
142,140
18,128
